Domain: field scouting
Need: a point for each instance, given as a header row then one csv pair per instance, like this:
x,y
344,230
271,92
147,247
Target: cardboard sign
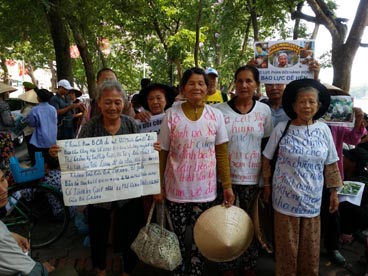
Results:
x,y
153,125
109,168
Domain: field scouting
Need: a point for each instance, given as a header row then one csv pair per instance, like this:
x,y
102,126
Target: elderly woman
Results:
x,y
129,213
306,159
247,122
155,99
194,142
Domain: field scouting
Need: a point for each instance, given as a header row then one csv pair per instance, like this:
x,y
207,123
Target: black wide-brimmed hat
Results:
x,y
44,95
168,91
290,92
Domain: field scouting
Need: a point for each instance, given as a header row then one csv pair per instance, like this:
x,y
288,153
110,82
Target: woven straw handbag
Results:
x,y
156,245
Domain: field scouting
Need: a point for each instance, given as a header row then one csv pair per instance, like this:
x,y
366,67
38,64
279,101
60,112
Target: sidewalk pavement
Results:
x,y
69,251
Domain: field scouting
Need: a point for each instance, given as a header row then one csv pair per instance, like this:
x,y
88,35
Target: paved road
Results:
x,y
69,250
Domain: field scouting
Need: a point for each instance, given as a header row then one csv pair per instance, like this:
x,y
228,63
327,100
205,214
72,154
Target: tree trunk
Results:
x,y
53,79
198,26
80,40
253,15
342,62
60,40
4,68
343,52
297,22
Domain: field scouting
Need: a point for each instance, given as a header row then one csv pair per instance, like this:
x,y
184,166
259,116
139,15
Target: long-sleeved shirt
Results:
x,y
345,135
43,118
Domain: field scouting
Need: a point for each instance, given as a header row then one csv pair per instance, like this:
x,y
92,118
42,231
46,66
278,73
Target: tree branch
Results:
x,y
325,17
359,24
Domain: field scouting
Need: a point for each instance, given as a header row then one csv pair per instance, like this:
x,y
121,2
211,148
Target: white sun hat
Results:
x,y
223,234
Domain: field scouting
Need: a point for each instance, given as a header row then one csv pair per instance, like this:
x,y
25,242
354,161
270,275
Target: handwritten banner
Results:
x,y
109,168
153,125
284,61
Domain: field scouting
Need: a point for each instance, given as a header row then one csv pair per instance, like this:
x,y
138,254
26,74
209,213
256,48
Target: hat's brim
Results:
x,y
6,88
29,97
169,94
290,92
76,92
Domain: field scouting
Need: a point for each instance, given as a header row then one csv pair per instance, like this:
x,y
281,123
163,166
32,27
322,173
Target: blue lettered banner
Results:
x,y
109,168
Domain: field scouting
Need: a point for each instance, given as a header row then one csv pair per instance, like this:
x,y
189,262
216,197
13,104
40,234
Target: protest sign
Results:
x,y
283,61
109,168
352,191
340,112
153,125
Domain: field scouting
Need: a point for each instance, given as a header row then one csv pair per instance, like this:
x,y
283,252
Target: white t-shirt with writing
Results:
x,y
190,174
298,178
245,133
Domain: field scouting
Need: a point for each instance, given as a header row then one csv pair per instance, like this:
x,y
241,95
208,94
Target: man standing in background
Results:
x,y
214,96
64,109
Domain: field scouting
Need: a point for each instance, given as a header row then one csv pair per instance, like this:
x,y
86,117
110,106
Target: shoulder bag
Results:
x,y
156,245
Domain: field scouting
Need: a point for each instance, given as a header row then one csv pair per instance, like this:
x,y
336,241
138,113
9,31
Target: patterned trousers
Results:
x,y
183,215
297,245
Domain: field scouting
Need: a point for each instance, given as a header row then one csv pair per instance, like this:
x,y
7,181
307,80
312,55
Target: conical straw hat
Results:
x,y
30,96
6,88
223,234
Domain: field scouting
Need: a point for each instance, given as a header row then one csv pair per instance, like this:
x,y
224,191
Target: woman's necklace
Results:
x,y
193,111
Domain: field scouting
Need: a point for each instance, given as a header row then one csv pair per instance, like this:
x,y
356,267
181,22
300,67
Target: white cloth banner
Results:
x,y
109,168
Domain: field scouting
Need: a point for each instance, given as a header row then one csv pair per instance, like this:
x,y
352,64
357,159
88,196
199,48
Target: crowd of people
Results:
x,y
213,149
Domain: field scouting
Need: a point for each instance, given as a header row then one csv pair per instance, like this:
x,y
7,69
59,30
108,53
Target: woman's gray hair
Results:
x,y
111,85
306,89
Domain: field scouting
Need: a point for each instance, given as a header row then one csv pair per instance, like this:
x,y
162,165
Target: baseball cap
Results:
x,y
211,70
65,84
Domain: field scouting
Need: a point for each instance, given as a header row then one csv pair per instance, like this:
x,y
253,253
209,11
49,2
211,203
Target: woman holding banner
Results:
x,y
128,213
155,98
194,142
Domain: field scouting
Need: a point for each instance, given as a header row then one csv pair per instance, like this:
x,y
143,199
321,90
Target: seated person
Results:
x,y
13,247
14,259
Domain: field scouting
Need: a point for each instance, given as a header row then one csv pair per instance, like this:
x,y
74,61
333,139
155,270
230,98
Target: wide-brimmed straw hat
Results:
x,y
6,88
30,97
290,92
335,91
223,234
167,90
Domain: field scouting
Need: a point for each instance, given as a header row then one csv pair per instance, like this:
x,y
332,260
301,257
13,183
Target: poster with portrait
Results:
x,y
340,112
284,61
